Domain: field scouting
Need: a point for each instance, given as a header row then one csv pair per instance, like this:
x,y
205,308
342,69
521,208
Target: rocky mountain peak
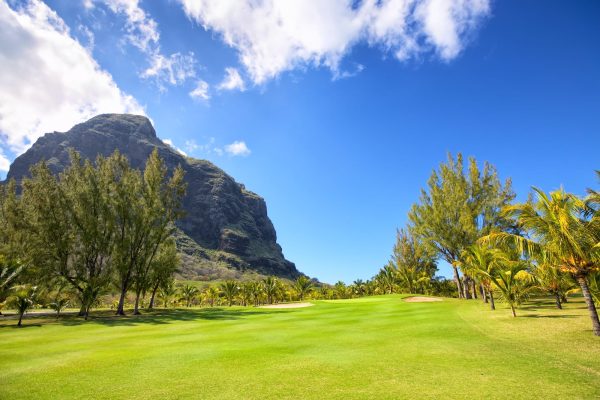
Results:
x,y
226,231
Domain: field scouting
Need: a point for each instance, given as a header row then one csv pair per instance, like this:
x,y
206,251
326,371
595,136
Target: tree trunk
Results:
x,y
484,295
474,289
557,298
20,319
120,307
492,304
81,312
513,310
466,284
136,308
590,304
151,305
458,282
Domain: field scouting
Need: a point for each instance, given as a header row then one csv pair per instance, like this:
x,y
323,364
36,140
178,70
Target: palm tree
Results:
x,y
481,262
59,304
567,229
358,287
341,290
303,286
188,294
271,288
513,281
166,291
211,294
553,281
245,294
23,298
256,291
387,278
229,289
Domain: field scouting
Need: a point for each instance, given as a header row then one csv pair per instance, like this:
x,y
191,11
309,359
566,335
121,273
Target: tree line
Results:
x,y
467,217
89,229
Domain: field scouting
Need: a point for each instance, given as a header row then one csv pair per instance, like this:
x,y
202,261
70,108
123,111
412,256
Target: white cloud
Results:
x,y
232,80
273,36
49,80
237,148
4,162
169,143
201,91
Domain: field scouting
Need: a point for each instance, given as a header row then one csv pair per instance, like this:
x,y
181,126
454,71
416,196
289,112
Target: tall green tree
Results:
x,y
414,261
458,207
71,231
149,219
162,268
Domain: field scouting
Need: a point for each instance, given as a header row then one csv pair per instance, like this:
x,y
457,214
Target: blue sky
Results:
x,y
337,115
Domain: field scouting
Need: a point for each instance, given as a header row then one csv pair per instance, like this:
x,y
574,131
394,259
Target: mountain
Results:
x,y
226,232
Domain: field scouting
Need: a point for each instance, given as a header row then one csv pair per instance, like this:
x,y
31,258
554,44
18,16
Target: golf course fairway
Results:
x,y
378,347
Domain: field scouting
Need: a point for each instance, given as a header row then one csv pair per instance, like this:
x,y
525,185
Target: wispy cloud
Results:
x,y
273,36
237,148
200,91
142,32
174,69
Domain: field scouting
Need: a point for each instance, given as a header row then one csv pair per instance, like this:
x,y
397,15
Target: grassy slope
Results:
x,y
377,347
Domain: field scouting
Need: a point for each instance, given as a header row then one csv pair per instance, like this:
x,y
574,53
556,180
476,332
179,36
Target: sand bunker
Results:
x,y
421,299
289,305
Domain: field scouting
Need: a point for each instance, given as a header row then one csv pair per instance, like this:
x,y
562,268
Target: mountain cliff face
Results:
x,y
226,232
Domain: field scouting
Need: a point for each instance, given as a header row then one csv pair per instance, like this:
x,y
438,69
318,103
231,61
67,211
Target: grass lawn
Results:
x,y
369,348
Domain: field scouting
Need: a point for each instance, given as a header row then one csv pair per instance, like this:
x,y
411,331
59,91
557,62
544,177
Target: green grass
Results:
x,y
369,348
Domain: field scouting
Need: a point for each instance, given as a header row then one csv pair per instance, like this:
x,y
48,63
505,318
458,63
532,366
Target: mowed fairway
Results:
x,y
368,348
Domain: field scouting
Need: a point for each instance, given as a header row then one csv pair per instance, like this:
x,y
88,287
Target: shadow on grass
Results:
x,y
549,303
549,316
156,317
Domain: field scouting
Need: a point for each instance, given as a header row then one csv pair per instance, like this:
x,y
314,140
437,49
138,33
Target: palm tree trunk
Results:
x,y
492,304
20,319
458,282
484,294
474,289
513,311
557,298
590,304
466,284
